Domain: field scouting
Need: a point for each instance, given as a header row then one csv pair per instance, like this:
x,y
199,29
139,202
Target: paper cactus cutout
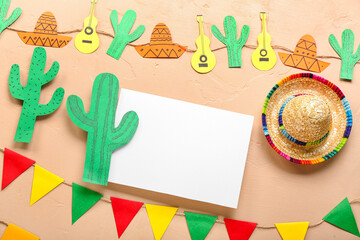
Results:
x,y
103,137
233,44
348,59
4,7
122,30
31,93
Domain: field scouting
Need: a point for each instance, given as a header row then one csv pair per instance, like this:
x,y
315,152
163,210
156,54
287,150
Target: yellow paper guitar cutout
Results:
x,y
264,57
203,60
87,41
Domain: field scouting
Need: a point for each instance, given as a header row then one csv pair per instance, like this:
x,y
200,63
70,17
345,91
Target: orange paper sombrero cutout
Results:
x,y
45,33
304,56
161,45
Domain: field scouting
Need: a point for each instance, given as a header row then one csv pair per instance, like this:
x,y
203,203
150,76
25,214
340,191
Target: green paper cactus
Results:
x,y
233,44
31,93
348,59
103,137
122,30
4,7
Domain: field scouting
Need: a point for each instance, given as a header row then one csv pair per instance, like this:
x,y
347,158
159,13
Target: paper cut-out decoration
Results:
x,y
160,218
199,224
124,212
82,200
233,45
45,33
304,56
203,60
348,58
87,41
4,7
103,137
293,230
13,232
161,45
264,57
43,182
122,30
31,93
343,217
14,165
239,230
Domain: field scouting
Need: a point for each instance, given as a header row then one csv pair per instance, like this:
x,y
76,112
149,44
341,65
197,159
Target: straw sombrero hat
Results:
x,y
306,118
304,56
161,45
45,33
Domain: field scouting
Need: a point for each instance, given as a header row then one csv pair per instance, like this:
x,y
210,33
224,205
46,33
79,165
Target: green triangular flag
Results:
x,y
199,224
343,217
82,200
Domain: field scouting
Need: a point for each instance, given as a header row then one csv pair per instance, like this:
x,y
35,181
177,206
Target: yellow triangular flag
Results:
x,y
13,232
43,182
292,231
160,218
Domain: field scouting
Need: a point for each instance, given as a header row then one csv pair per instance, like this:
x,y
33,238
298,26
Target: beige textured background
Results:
x,y
273,189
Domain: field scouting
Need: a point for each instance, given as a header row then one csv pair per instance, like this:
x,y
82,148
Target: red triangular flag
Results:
x,y
124,212
14,165
239,230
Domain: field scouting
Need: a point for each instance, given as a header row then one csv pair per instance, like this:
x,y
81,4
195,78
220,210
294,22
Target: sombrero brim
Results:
x,y
161,51
340,112
44,40
302,62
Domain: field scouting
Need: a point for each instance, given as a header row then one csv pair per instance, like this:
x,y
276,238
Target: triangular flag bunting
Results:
x,y
343,217
160,218
43,182
124,212
239,230
13,232
199,224
293,230
82,200
14,165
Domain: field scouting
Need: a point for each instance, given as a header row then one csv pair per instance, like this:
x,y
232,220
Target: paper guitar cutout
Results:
x,y
45,33
203,60
348,59
31,93
264,57
233,44
87,41
122,30
103,137
304,56
161,45
4,7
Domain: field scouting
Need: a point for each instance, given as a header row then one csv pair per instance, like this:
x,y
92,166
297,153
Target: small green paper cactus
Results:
x,y
348,59
122,30
31,93
103,137
4,7
233,45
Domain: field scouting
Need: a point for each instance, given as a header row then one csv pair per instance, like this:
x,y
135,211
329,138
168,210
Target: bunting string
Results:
x,y
4,223
101,32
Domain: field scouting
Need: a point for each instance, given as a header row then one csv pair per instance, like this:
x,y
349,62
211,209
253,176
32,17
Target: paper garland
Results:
x,y
239,230
4,7
199,224
13,232
292,231
160,218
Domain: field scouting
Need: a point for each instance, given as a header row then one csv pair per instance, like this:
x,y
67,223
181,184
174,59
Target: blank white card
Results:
x,y
182,149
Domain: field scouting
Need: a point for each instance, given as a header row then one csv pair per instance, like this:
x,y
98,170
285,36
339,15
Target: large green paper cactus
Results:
x,y
348,59
4,7
233,44
103,137
122,30
31,93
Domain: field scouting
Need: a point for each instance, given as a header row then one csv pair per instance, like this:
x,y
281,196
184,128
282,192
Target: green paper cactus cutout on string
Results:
x,y
4,7
103,137
348,59
233,44
31,93
122,30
